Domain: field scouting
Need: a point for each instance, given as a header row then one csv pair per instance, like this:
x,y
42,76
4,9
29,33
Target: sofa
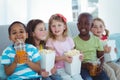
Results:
x,y
2,73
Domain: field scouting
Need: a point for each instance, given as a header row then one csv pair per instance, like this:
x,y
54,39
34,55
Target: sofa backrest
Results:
x,y
4,40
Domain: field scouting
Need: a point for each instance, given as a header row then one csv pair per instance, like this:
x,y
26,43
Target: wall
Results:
x,y
110,13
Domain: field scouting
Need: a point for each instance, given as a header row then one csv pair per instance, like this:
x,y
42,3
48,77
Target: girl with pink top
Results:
x,y
60,42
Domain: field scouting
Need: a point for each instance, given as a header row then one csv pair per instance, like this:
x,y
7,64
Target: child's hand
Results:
x,y
53,70
26,58
44,73
68,59
99,69
81,56
16,59
21,58
115,50
107,49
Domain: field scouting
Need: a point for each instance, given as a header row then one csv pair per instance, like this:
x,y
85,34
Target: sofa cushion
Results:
x,y
2,73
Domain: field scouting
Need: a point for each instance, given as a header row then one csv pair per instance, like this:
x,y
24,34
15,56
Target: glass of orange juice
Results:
x,y
20,51
93,68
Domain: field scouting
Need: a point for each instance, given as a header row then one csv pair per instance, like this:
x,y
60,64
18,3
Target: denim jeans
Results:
x,y
86,76
118,61
53,77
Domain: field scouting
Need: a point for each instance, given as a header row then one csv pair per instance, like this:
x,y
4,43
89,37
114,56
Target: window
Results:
x,y
79,6
24,10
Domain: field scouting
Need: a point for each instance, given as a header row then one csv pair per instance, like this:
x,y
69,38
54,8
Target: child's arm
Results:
x,y
53,70
115,50
9,69
63,58
100,55
81,57
44,74
34,66
107,49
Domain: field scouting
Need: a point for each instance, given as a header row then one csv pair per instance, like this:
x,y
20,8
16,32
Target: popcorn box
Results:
x,y
112,55
48,60
74,67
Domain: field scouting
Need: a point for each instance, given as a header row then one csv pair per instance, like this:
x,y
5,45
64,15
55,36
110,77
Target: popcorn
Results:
x,y
45,51
72,52
74,67
48,59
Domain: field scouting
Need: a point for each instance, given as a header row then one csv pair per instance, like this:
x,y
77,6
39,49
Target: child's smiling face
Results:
x,y
98,28
57,28
40,32
18,32
84,24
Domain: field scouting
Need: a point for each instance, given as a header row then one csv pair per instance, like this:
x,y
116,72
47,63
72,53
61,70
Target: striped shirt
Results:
x,y
22,71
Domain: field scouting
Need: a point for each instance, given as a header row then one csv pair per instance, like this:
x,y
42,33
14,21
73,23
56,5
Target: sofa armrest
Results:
x,y
2,72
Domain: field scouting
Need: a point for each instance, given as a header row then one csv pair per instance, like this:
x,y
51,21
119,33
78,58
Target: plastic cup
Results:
x,y
20,51
93,68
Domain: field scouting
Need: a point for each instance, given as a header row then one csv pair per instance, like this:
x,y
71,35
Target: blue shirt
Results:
x,y
22,71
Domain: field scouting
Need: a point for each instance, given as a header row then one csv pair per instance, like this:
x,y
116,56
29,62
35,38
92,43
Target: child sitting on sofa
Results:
x,y
61,43
37,34
111,68
31,66
91,47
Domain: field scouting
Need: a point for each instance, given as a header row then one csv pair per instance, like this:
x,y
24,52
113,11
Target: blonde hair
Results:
x,y
57,17
99,19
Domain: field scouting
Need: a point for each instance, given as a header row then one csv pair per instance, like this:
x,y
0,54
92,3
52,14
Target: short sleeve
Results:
x,y
7,56
36,56
100,46
33,53
49,43
71,42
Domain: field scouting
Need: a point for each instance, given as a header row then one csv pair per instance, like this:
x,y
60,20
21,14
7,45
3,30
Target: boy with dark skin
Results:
x,y
91,48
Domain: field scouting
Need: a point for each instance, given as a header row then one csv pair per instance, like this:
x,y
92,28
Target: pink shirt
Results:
x,y
60,47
